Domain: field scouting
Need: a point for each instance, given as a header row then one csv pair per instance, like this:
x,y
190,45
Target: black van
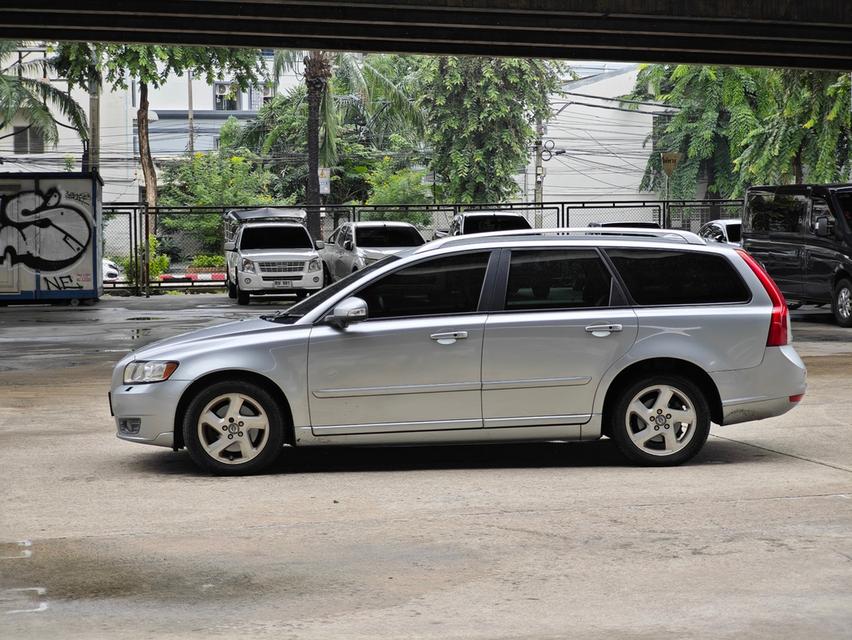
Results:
x,y
803,236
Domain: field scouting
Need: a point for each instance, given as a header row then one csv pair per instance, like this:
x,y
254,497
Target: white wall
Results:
x,y
604,155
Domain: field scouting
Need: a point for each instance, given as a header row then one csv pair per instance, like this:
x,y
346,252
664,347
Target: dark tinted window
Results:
x,y
735,232
387,237
276,238
655,276
820,209
712,232
845,201
557,279
771,212
449,284
485,224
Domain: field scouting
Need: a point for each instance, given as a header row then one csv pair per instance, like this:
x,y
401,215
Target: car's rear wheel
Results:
x,y
842,303
660,420
233,428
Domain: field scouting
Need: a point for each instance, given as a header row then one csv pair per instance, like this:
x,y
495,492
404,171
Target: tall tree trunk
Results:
x,y
317,72
797,168
148,170
150,175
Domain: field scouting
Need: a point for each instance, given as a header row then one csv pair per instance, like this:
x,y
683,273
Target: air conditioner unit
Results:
x,y
268,92
223,89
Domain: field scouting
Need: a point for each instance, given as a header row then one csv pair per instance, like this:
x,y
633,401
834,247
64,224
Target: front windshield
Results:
x,y
485,224
290,237
383,237
309,304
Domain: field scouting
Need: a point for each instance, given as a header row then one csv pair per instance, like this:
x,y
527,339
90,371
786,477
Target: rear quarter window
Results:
x,y
667,277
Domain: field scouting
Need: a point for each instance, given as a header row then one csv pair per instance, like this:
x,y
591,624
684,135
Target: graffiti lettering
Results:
x,y
40,231
61,283
83,197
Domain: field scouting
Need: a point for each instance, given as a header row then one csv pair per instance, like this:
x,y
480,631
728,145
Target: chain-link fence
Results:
x,y
185,243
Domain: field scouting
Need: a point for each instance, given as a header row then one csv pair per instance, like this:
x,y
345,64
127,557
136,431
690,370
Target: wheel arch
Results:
x,y
232,374
653,366
840,274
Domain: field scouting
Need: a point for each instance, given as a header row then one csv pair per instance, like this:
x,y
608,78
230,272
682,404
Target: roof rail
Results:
x,y
675,235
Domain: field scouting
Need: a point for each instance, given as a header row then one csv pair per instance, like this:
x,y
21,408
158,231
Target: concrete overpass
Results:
x,y
783,33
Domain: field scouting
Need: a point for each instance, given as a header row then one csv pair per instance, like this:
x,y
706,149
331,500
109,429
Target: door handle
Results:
x,y
448,337
603,330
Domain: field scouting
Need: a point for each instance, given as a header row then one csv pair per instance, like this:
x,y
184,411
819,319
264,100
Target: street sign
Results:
x,y
670,160
324,180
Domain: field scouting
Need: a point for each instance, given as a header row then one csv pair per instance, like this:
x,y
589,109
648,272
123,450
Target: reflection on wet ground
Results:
x,y
41,336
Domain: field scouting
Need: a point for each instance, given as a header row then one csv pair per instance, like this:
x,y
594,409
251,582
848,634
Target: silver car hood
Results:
x,y
165,349
278,254
378,254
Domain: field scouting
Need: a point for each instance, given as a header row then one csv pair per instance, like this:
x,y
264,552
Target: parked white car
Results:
x,y
272,258
724,231
354,245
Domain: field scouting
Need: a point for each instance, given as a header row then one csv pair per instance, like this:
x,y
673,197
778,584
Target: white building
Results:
x,y
595,146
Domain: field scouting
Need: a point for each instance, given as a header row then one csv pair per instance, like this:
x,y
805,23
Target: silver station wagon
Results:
x,y
643,336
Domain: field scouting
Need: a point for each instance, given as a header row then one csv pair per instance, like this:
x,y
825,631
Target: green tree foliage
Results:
x,y
480,114
807,137
25,94
390,184
740,126
216,179
151,65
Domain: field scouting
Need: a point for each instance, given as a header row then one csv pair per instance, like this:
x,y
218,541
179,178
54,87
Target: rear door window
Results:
x,y
556,279
670,277
771,212
488,223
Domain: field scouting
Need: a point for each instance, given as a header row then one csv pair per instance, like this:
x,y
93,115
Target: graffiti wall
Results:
x,y
49,236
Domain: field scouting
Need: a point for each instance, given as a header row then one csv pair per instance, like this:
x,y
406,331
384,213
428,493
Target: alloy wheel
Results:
x,y
661,420
844,303
233,428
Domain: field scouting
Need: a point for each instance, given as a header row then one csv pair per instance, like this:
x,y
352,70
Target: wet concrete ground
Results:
x,y
105,539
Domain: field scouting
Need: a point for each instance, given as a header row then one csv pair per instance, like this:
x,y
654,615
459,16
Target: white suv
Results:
x,y
273,258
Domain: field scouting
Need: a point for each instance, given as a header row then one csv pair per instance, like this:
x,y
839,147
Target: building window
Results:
x,y
27,140
226,96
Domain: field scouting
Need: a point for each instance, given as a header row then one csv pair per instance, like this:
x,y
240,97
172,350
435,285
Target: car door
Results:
x,y
415,363
339,268
563,323
821,255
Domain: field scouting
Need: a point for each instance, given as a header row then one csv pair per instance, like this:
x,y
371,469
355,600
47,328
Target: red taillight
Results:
x,y
797,398
778,334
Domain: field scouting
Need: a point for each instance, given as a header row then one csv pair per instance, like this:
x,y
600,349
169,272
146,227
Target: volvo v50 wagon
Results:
x,y
642,336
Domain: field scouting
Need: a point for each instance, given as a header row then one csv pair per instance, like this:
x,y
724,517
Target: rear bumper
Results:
x,y
765,391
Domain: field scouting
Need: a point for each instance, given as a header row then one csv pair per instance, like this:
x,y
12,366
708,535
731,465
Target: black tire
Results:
x,y
242,296
326,275
259,397
621,424
232,288
792,306
841,303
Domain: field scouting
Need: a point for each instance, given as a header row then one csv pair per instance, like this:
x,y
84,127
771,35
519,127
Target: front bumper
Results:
x,y
265,282
154,405
764,391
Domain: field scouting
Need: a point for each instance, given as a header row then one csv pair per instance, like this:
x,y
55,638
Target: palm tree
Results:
x,y
26,92
370,91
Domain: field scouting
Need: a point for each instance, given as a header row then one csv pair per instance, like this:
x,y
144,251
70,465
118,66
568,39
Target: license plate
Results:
x,y
284,284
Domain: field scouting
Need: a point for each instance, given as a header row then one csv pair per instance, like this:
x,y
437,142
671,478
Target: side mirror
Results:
x,y
319,244
822,227
230,246
350,310
347,244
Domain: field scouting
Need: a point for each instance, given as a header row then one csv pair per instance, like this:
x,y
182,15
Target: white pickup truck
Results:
x,y
269,251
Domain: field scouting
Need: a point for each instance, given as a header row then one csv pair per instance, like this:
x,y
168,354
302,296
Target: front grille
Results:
x,y
273,278
281,266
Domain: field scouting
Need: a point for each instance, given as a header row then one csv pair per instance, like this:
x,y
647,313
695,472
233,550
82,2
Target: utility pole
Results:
x,y
189,115
94,126
539,168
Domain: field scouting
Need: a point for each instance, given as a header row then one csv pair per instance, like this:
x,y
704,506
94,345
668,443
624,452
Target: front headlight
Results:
x,y
151,371
314,265
247,266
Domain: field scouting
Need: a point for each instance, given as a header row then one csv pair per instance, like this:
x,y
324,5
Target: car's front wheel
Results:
x,y
660,420
233,428
242,296
842,306
232,288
